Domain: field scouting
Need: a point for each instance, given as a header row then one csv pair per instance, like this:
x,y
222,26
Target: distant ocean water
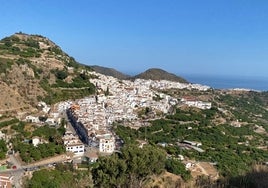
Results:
x,y
230,82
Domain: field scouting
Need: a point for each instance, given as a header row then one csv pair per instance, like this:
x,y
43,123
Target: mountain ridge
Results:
x,y
149,74
159,74
110,72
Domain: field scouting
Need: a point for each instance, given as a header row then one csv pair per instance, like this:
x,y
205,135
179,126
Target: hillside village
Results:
x,y
64,112
90,119
93,117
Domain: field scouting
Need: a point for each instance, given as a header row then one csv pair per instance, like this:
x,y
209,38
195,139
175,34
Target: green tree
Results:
x,y
61,74
176,167
62,176
3,149
35,153
130,168
110,172
142,163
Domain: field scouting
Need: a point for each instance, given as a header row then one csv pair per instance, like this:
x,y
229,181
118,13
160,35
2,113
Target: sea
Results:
x,y
230,82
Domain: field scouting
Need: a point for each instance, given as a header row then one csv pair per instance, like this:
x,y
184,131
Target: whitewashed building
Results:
x,y
32,119
107,144
36,141
73,144
76,148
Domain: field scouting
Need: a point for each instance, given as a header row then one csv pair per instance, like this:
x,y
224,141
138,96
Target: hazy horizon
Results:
x,y
254,82
182,74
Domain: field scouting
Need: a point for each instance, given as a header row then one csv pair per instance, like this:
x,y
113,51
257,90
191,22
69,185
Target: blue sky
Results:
x,y
211,37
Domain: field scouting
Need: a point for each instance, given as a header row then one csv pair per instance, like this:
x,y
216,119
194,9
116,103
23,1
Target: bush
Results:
x,y
10,122
32,43
3,149
61,74
176,167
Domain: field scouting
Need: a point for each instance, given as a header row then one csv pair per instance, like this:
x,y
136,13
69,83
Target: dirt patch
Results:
x,y
165,180
204,168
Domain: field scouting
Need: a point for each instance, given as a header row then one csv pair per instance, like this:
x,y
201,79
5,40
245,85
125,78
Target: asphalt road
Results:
x,y
16,173
20,169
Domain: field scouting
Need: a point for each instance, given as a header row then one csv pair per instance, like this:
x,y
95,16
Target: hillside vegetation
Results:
x,y
233,134
33,68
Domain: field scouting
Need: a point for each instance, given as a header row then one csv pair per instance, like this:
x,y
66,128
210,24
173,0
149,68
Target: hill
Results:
x,y
33,68
110,72
159,74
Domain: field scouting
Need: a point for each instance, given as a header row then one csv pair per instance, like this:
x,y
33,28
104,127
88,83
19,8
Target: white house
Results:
x,y
76,148
73,144
188,165
106,144
44,107
36,141
2,135
180,157
32,119
51,121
